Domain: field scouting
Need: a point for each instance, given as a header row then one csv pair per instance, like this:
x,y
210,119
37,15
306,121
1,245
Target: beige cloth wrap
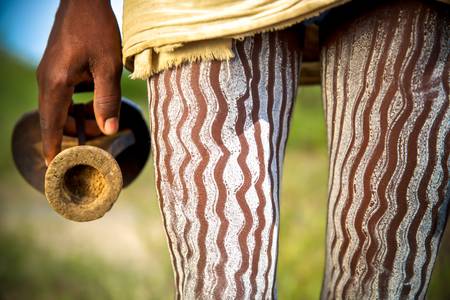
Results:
x,y
159,34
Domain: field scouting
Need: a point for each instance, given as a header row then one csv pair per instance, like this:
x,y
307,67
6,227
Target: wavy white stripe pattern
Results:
x,y
219,131
386,95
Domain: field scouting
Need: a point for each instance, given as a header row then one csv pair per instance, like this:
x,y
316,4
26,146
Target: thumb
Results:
x,y
107,103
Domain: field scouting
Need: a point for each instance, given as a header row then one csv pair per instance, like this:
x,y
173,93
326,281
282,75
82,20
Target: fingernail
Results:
x,y
111,125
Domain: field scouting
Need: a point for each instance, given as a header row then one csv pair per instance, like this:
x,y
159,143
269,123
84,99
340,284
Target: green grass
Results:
x,y
307,125
302,232
31,272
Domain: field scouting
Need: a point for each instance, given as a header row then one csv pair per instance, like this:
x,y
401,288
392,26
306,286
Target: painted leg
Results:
x,y
219,131
386,97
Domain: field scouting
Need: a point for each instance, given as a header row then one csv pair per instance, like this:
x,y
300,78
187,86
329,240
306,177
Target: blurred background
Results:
x,y
124,254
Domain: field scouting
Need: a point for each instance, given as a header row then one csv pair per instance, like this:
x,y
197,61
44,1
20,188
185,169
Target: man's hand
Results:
x,y
84,45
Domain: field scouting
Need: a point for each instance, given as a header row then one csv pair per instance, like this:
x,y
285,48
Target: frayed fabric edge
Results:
x,y
151,60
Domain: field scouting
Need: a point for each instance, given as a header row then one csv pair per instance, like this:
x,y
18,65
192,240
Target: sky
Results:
x,y
25,26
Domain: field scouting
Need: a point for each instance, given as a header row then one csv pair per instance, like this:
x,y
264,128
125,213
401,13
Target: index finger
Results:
x,y
55,97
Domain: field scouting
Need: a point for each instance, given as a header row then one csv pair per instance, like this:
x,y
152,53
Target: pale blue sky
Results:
x,y
25,25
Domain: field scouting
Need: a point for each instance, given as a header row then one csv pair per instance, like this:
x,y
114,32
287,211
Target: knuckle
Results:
x,y
110,69
107,102
53,76
107,106
46,126
42,64
58,78
111,76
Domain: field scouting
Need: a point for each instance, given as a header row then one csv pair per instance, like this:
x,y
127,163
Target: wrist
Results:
x,y
81,5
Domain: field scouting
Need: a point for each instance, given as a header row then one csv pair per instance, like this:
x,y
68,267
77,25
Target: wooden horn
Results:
x,y
83,181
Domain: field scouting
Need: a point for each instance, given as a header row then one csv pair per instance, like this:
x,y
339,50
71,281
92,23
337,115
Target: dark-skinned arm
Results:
x,y
84,46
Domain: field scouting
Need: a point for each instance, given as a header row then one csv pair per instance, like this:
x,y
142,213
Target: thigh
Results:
x,y
219,131
386,87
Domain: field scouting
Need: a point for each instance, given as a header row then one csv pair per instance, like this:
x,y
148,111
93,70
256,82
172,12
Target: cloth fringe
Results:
x,y
145,57
160,35
155,60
